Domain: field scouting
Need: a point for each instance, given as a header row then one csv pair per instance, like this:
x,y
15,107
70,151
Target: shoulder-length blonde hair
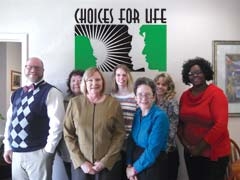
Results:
x,y
170,93
129,78
87,74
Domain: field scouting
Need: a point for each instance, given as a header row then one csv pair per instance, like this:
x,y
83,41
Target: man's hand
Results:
x,y
7,155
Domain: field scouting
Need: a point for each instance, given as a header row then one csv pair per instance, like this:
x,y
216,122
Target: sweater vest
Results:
x,y
29,126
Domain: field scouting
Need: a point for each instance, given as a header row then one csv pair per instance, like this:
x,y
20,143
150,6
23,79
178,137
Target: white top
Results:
x,y
130,95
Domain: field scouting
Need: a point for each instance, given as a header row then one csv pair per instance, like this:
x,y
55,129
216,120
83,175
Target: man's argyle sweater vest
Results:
x,y
29,126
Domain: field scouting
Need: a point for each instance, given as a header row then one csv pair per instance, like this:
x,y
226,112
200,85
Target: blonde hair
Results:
x,y
87,74
170,93
129,78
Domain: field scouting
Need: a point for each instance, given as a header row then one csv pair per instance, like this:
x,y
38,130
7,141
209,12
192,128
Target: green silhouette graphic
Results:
x,y
84,53
155,49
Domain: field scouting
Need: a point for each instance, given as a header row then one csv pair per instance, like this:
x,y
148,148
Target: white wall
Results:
x,y
192,26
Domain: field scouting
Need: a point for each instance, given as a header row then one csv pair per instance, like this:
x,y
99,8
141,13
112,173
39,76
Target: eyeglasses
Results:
x,y
147,96
195,73
37,68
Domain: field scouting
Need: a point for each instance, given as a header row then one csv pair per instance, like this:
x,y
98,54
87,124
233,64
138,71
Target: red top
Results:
x,y
205,116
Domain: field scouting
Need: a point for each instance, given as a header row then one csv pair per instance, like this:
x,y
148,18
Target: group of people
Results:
x,y
127,134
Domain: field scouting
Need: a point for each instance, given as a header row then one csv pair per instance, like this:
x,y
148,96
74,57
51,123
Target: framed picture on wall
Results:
x,y
226,63
15,80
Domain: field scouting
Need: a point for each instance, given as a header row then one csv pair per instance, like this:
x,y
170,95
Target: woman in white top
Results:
x,y
122,90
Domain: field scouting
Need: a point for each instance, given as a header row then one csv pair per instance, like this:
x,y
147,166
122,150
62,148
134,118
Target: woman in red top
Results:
x,y
203,123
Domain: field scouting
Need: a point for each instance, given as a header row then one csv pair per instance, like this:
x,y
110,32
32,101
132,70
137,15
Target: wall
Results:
x,y
192,26
50,25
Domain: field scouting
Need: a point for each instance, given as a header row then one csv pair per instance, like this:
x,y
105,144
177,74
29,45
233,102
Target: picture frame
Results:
x,y
226,64
15,80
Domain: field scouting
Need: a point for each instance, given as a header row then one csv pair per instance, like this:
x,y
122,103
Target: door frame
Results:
x,y
23,39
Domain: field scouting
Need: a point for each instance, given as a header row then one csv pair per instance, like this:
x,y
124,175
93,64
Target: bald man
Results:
x,y
34,125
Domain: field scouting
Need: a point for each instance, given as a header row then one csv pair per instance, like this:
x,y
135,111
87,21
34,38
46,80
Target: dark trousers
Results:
x,y
124,167
173,164
114,174
67,166
157,171
202,168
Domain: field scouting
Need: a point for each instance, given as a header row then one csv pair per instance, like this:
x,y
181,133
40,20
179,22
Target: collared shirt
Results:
x,y
56,112
149,132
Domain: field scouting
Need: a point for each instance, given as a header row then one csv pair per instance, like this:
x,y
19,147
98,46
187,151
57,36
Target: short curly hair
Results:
x,y
144,81
204,65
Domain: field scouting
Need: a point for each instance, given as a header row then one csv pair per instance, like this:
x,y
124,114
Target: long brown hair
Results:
x,y
129,78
